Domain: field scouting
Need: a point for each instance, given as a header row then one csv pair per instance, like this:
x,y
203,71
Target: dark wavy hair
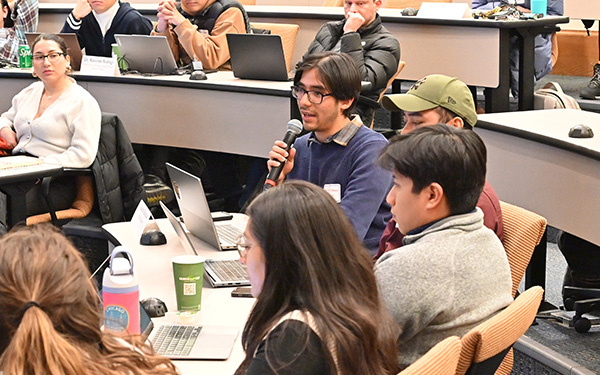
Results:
x,y
338,72
315,262
49,313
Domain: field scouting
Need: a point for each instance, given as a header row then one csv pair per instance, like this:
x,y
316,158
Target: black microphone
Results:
x,y
294,127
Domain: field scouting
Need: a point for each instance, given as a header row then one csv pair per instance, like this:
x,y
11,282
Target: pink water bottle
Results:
x,y
121,295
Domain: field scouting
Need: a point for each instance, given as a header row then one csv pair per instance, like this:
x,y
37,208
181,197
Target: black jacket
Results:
x,y
374,49
117,172
126,21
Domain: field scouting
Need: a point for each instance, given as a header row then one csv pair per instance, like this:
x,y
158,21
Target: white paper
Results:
x,y
140,219
448,11
99,66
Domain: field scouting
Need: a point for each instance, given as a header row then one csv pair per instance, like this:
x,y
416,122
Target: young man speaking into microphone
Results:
x,y
338,153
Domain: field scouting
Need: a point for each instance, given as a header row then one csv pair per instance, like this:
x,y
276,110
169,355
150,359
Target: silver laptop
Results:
x,y
73,47
219,273
188,341
147,54
257,56
196,212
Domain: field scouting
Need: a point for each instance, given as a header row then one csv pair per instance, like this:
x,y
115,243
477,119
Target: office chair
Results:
x,y
122,191
108,191
287,32
523,231
366,87
581,286
485,347
442,359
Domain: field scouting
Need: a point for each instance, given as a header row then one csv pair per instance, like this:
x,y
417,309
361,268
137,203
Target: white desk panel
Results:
x,y
543,175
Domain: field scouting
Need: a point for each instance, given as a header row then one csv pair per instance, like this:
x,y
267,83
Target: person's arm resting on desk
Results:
x,y
6,124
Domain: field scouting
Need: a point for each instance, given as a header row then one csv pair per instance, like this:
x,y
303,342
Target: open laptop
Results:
x,y
219,273
196,212
147,54
257,56
188,341
73,48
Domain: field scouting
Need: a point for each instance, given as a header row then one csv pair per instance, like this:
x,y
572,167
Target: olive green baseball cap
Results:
x,y
433,91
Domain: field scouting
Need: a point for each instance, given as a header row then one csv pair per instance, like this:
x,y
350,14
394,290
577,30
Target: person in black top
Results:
x,y
96,23
317,310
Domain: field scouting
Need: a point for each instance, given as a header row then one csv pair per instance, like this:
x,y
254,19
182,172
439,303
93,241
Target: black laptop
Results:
x,y
257,56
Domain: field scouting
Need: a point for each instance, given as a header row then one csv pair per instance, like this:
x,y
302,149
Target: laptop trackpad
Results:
x,y
215,342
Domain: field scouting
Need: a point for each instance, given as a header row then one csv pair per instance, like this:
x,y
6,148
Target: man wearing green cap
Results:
x,y
431,100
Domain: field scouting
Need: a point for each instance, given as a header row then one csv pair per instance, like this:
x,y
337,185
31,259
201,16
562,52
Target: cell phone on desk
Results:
x,y
242,291
221,216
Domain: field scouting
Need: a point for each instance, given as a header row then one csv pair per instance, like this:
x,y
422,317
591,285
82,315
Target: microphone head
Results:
x,y
294,126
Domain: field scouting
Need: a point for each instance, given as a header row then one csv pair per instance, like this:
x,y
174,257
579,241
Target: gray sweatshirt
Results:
x,y
443,282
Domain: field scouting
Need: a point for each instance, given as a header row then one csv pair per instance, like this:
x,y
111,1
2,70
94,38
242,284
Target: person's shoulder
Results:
x,y
366,135
32,88
83,96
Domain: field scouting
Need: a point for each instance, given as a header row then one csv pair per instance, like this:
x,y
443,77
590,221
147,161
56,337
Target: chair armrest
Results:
x,y
47,181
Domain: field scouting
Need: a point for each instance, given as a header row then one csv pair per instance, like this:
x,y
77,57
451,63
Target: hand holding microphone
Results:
x,y
281,156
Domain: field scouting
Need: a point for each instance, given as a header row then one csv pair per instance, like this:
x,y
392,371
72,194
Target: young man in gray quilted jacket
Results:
x,y
452,272
373,48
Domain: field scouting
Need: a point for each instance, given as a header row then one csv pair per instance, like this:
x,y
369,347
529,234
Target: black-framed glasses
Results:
x,y
52,57
315,97
242,246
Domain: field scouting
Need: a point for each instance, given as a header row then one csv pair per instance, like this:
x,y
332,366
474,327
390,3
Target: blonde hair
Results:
x,y
50,317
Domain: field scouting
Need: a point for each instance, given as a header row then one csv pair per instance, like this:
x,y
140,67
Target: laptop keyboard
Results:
x,y
175,340
228,270
228,233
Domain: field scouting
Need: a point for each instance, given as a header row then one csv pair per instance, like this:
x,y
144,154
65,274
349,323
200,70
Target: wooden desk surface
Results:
x,y
152,266
534,164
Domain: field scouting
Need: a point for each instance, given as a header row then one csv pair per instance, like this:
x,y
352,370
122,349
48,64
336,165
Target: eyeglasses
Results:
x,y
315,97
242,246
52,57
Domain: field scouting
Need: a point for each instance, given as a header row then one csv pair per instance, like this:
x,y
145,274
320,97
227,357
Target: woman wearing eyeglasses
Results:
x,y
317,309
54,119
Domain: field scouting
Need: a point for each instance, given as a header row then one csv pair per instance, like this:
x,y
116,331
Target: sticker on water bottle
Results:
x,y
116,318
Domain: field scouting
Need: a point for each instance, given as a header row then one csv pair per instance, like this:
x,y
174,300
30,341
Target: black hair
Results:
x,y
454,158
8,22
338,72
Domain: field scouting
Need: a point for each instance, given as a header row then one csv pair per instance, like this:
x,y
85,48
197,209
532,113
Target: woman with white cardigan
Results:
x,y
54,119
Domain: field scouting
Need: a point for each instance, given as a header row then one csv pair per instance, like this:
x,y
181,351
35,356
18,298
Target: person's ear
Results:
x,y
457,122
435,195
345,104
378,4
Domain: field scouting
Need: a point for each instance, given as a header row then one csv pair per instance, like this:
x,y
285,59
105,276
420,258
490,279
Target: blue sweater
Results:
x,y
363,184
127,20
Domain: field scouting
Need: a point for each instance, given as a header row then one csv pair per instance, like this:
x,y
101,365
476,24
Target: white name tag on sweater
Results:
x,y
99,66
335,190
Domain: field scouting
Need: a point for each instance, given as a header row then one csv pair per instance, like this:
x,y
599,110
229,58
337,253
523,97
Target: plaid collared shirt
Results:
x,y
343,136
25,17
